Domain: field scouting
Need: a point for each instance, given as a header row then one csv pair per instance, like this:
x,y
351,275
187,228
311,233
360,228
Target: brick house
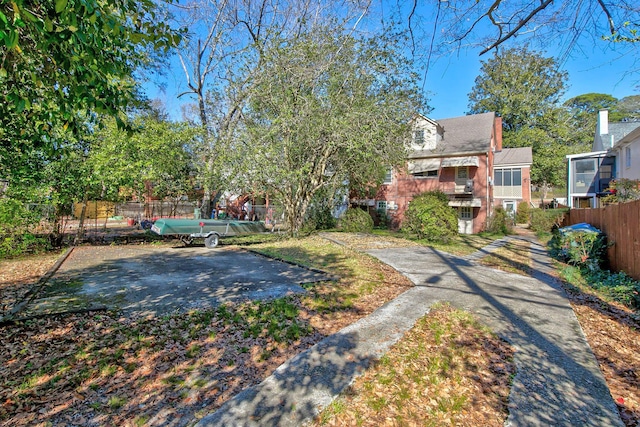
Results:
x,y
463,157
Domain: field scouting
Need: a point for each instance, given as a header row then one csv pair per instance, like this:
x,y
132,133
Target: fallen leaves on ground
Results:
x,y
103,369
19,276
613,332
447,370
98,370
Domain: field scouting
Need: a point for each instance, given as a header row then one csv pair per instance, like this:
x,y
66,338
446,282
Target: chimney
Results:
x,y
602,140
603,122
497,130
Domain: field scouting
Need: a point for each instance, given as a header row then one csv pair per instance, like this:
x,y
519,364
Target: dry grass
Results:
x,y
103,370
465,244
514,257
448,370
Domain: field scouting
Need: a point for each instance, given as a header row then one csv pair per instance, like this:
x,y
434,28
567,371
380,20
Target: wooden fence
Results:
x,y
621,224
156,208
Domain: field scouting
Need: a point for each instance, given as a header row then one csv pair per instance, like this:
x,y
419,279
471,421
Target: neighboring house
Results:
x,y
615,154
459,156
627,153
512,177
588,176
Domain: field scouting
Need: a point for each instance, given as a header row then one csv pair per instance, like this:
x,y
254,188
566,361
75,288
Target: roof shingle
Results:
x,y
513,156
462,135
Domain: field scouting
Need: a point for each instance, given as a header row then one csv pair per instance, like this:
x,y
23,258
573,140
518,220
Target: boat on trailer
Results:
x,y
211,230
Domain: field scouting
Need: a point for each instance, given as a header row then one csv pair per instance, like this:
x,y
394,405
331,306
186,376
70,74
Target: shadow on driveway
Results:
x,y
558,379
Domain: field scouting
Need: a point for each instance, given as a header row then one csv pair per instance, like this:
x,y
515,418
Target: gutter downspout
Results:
x,y
569,197
489,188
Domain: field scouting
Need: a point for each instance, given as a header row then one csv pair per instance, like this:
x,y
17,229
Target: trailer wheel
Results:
x,y
211,241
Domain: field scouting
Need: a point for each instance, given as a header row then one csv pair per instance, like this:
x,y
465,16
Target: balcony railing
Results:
x,y
503,191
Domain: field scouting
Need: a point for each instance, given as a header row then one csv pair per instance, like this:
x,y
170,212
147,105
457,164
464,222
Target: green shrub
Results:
x,y
320,218
581,248
546,220
500,222
356,220
622,190
16,226
616,286
383,219
523,213
430,217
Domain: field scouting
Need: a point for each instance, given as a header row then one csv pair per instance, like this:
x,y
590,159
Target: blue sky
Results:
x,y
451,79
595,67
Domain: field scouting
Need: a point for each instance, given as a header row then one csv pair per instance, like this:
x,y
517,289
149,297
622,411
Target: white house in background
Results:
x,y
615,145
511,177
588,176
627,153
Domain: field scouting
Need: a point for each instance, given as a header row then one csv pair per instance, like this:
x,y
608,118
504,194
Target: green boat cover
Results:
x,y
168,226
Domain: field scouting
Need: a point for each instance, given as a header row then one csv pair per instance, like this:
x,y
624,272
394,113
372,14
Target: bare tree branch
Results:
x,y
612,27
521,24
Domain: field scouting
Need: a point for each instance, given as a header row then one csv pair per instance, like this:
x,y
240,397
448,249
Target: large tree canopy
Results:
x,y
220,56
525,88
522,85
583,111
64,57
156,152
327,109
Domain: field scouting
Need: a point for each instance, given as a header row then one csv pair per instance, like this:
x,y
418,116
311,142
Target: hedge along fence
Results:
x,y
621,224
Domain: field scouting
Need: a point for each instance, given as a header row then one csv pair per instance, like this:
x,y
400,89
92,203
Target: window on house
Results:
x,y
627,157
388,178
381,205
427,174
507,177
466,212
605,172
585,172
418,137
462,173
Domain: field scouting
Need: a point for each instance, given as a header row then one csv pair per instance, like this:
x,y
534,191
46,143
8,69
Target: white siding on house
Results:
x,y
425,136
503,192
629,159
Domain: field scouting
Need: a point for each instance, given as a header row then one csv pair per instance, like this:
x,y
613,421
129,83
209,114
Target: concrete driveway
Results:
x,y
146,280
558,380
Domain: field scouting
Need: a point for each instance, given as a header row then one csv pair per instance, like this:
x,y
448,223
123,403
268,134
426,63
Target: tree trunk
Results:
x,y
80,231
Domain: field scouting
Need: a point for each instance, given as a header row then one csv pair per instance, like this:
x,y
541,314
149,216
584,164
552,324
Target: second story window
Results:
x,y
418,138
462,173
585,172
508,177
388,178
